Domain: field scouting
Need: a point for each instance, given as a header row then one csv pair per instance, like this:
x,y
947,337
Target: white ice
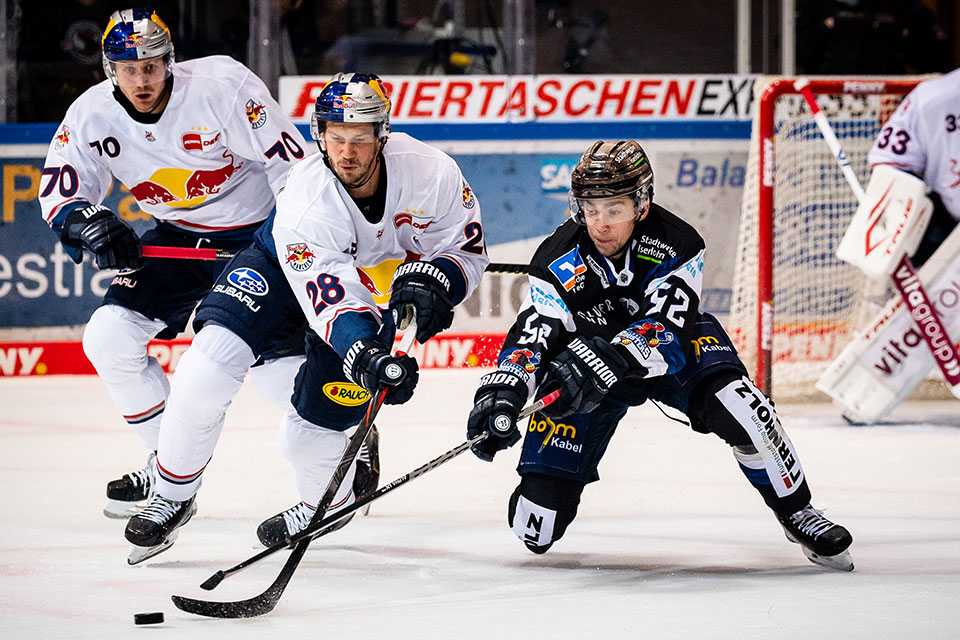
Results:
x,y
671,543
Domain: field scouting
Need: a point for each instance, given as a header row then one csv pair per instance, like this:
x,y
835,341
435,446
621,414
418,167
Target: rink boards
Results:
x,y
516,140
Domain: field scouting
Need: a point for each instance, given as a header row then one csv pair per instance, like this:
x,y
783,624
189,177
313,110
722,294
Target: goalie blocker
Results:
x,y
887,360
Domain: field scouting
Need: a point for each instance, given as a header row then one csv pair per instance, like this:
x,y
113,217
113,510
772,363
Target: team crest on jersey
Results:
x,y
62,138
346,393
256,114
249,280
149,136
407,217
569,269
522,362
199,140
643,337
299,256
468,200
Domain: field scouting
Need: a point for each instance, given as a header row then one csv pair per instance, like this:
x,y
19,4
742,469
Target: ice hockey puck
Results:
x,y
155,617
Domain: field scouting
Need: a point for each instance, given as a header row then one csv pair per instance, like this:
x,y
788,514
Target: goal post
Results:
x,y
794,304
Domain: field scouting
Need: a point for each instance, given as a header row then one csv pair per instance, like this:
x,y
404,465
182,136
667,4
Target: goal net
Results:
x,y
795,305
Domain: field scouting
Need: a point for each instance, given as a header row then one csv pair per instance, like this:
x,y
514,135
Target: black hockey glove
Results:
x,y
584,372
425,286
98,230
497,405
369,364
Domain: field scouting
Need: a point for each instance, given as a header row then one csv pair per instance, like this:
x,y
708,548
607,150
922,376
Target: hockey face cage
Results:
x,y
608,170
136,34
352,97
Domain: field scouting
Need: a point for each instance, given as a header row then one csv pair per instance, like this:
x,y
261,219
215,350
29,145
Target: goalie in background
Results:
x,y
612,318
911,206
922,138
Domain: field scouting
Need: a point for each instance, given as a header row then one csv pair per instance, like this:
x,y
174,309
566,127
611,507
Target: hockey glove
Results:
x,y
369,364
584,373
98,230
425,286
497,405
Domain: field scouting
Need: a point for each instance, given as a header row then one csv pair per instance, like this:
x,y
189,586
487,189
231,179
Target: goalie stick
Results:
x,y
904,276
266,601
190,253
322,528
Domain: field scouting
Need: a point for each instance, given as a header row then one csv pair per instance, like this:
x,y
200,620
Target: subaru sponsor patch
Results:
x,y
249,280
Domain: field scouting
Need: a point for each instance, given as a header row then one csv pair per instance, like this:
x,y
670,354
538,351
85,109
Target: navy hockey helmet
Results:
x,y
135,34
352,97
608,170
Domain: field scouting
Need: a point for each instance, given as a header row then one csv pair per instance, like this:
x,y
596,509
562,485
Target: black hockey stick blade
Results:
x,y
251,607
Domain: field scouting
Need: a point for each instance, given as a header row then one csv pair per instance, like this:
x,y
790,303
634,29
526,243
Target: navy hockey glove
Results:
x,y
496,407
369,364
425,286
98,230
584,372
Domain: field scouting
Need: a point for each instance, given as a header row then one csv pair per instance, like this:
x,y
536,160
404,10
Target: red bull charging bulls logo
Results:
x,y
182,187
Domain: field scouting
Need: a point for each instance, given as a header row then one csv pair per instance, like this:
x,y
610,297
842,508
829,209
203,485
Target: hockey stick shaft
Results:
x,y
190,253
912,291
314,531
266,601
187,253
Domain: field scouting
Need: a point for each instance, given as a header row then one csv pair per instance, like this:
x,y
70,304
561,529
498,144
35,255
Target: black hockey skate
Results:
x,y
126,496
155,529
281,527
367,477
824,543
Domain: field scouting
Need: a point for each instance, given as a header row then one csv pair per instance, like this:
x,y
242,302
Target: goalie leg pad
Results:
x,y
736,410
115,341
315,453
541,508
207,378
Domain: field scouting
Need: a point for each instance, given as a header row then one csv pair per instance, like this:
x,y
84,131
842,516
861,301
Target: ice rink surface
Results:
x,y
671,543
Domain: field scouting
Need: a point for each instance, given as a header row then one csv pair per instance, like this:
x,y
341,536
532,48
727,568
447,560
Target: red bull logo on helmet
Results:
x,y
299,256
346,393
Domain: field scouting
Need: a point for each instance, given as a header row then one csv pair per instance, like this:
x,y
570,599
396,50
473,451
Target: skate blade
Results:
x,y
117,509
139,554
840,562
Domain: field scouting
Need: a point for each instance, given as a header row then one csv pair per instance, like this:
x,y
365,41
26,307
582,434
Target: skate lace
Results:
x,y
363,455
160,510
811,522
297,518
140,477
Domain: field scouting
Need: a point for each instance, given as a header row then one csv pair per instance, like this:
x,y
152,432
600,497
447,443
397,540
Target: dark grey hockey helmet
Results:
x,y
610,169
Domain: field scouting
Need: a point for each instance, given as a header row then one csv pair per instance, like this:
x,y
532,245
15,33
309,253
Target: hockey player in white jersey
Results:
x,y
203,148
365,226
920,142
922,138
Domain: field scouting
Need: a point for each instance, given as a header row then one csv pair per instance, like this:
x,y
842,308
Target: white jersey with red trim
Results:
x,y
214,160
922,137
338,262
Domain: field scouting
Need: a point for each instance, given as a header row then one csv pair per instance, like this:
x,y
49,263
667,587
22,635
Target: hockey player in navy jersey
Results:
x,y
612,319
204,149
377,221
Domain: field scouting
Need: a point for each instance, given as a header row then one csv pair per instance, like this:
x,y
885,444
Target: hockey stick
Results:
x,y
187,253
321,528
904,276
266,601
190,253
